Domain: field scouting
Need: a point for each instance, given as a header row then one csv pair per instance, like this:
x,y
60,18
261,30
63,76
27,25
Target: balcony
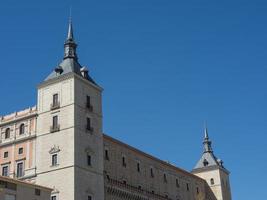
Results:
x,y
54,128
54,106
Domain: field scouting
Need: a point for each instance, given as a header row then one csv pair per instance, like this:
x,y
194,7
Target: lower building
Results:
x,y
12,189
59,143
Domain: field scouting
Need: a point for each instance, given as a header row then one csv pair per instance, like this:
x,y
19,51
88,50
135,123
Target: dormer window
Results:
x,y
84,72
205,163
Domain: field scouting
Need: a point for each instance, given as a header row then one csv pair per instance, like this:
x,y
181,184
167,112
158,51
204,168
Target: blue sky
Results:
x,y
166,67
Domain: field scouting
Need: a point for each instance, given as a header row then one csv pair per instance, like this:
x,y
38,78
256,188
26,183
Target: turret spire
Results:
x,y
70,45
207,142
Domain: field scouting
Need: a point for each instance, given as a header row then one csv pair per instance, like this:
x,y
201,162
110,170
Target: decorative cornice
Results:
x,y
54,149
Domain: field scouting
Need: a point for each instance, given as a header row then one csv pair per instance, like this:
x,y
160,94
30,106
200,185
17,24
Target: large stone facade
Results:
x,y
60,144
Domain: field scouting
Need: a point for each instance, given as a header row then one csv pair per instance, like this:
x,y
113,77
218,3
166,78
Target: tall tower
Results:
x,y
212,170
69,130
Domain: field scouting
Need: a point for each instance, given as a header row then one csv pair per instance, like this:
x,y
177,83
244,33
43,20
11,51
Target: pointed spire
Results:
x,y
70,30
206,142
70,45
206,131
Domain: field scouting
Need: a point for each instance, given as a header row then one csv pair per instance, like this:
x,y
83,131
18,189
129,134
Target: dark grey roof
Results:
x,y
208,158
67,65
70,62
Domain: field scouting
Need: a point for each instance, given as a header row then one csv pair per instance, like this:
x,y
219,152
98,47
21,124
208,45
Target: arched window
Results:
x,y
21,129
212,181
7,133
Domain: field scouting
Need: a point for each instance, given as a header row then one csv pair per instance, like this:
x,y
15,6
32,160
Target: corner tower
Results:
x,y
69,130
212,170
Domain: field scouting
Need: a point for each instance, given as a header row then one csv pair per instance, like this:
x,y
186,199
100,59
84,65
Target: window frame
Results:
x,y
54,160
7,133
6,154
22,129
20,173
20,150
7,170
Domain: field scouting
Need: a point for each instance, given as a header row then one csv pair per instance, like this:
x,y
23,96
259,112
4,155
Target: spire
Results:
x,y
70,45
70,31
207,142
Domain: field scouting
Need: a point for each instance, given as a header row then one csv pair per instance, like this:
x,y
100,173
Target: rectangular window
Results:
x,y
197,190
20,150
54,160
5,171
6,154
123,161
53,198
138,166
106,155
88,124
89,160
187,187
88,103
37,192
55,100
165,178
20,169
55,122
151,173
177,183
89,198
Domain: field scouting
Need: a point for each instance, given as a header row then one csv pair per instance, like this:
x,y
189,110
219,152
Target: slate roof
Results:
x,y
70,62
208,158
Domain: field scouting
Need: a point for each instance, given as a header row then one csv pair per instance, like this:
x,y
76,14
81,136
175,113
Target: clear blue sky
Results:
x,y
166,67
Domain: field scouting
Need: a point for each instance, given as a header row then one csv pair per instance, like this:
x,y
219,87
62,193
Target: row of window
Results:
x,y
20,172
56,127
56,104
152,175
20,151
55,122
54,197
21,131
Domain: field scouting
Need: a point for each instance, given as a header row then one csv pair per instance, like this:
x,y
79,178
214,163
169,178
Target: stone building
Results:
x,y
11,189
60,144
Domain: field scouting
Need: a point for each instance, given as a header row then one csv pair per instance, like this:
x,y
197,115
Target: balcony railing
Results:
x,y
55,105
54,128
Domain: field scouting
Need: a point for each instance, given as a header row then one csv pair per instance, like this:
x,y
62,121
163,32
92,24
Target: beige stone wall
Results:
x,y
22,190
221,186
16,140
141,183
88,179
61,176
